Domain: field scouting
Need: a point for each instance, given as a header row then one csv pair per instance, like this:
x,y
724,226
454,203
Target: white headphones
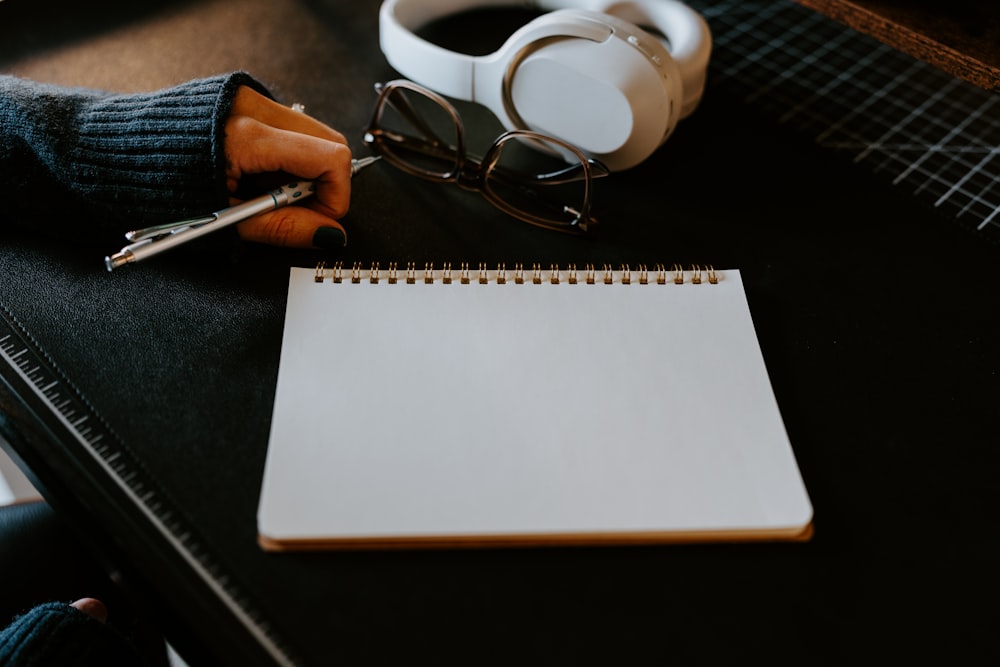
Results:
x,y
584,72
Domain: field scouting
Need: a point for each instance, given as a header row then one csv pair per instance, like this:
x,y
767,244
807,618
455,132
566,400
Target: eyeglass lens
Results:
x,y
527,176
419,133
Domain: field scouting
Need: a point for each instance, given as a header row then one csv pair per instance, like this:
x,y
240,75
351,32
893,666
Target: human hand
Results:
x,y
265,137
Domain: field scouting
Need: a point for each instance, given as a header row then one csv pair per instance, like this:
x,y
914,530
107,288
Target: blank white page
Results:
x,y
524,413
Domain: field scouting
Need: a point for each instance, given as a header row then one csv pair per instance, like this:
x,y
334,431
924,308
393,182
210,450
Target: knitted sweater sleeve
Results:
x,y
113,160
57,634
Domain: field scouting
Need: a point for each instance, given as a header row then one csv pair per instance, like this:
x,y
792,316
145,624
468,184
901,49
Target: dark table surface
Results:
x,y
877,317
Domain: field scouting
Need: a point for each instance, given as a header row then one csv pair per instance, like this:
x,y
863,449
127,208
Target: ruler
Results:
x,y
107,475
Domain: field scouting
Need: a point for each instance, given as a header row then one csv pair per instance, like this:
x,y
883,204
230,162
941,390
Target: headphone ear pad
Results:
x,y
617,99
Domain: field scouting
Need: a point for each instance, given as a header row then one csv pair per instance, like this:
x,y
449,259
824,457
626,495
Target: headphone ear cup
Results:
x,y
679,30
554,90
617,99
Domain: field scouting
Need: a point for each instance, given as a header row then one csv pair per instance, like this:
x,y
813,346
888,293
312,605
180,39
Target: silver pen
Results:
x,y
151,241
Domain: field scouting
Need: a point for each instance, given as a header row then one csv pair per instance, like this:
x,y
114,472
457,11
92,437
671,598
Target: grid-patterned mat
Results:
x,y
922,129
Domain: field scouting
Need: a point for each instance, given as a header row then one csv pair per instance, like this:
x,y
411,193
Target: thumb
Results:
x,y
92,607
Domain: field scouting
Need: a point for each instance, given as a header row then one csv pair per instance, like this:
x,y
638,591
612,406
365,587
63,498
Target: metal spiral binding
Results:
x,y
590,274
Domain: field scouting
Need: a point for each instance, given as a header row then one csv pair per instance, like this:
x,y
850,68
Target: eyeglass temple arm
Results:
x,y
571,173
568,174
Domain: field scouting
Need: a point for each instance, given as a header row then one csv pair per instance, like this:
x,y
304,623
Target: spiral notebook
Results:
x,y
475,406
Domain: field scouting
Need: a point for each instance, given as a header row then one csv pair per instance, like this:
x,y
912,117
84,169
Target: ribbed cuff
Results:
x,y
57,634
159,156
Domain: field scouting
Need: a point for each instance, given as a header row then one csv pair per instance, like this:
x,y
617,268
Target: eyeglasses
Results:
x,y
539,179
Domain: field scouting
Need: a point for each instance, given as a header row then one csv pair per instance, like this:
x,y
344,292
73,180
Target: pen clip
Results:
x,y
168,228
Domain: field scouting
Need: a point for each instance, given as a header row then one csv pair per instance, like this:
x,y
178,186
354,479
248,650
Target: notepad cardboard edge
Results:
x,y
798,533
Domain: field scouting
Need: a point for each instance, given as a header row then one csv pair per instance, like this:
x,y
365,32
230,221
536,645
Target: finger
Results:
x,y
92,607
255,148
250,103
294,227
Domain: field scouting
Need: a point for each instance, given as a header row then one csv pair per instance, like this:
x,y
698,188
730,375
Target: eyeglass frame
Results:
x,y
470,173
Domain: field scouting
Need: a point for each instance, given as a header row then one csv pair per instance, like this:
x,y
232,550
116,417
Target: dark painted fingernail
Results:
x,y
329,238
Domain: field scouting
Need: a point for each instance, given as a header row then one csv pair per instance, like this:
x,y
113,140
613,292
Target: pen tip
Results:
x,y
360,163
